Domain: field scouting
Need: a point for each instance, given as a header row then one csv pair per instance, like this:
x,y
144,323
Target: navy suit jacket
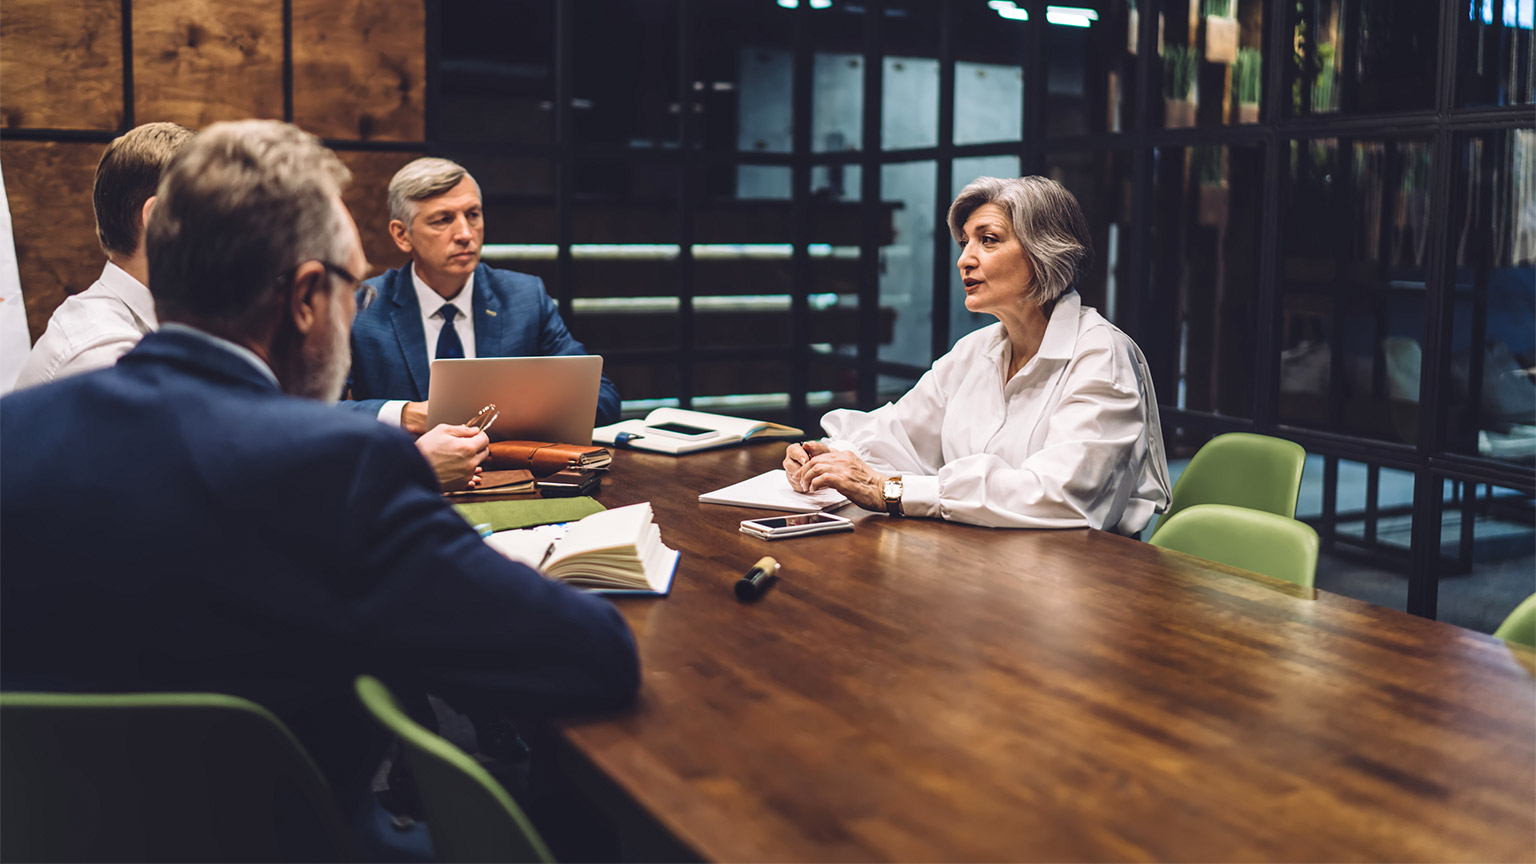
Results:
x,y
176,522
514,317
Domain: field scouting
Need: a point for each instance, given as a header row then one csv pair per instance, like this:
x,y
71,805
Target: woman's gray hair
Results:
x,y
1046,219
240,207
420,179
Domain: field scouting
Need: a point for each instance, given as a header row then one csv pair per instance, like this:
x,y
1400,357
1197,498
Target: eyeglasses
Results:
x,y
333,269
337,270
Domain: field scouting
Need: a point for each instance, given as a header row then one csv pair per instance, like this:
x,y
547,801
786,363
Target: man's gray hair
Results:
x,y
1046,219
420,179
240,207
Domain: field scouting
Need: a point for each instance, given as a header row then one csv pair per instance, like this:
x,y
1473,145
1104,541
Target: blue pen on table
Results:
x,y
623,438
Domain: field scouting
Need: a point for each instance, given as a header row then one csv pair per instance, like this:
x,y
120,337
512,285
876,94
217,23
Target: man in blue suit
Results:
x,y
446,303
182,521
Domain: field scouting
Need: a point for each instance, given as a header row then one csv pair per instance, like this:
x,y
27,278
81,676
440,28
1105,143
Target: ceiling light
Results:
x,y
821,4
790,4
1069,19
1001,4
1014,14
1073,11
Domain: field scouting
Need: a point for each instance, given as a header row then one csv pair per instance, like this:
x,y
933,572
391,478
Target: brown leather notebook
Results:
x,y
501,483
542,457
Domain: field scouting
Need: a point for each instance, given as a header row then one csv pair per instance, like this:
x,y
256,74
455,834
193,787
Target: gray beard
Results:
x,y
323,366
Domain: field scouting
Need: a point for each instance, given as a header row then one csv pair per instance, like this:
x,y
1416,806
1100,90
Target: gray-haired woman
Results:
x,y
1046,419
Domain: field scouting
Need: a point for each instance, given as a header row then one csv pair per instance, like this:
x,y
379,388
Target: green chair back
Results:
x,y
471,817
159,777
1276,546
1520,626
1244,470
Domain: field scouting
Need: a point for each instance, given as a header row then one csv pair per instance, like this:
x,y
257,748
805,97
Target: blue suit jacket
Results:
x,y
176,522
514,317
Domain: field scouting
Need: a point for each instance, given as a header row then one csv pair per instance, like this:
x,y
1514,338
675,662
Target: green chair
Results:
x,y
159,777
1276,546
1244,470
471,817
1520,626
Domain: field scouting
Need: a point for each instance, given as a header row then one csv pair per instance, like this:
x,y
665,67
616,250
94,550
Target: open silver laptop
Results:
x,y
540,398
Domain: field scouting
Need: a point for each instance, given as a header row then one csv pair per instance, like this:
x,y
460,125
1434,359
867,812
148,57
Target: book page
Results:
x,y
525,546
622,528
736,426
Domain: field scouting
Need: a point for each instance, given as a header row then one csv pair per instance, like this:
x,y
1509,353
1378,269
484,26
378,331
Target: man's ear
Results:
x,y
149,204
309,297
399,234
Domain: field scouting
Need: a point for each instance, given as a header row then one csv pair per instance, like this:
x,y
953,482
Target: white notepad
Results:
x,y
771,491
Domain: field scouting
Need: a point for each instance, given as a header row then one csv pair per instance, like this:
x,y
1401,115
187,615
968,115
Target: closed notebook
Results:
x,y
771,491
543,457
616,551
501,483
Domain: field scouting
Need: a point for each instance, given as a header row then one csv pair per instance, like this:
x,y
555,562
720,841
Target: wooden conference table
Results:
x,y
915,690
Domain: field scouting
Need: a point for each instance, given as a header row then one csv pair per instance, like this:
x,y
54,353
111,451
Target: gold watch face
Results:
x,y
892,490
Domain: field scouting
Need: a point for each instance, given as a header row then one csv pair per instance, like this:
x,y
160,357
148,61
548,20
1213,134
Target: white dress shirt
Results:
x,y
92,329
431,305
1072,440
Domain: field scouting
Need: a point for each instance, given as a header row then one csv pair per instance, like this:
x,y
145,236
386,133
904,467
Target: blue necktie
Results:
x,y
448,345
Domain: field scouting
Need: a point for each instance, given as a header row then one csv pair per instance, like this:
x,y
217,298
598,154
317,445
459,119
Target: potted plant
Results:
x,y
1133,28
1179,62
1247,81
1220,31
1205,165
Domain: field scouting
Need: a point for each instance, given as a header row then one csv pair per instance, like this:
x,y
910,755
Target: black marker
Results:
x,y
751,586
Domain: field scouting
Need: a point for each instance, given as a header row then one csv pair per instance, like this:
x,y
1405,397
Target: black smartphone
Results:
x,y
681,430
570,482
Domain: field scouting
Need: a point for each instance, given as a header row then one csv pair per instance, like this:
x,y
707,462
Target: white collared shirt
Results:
x,y
1072,440
431,305
92,329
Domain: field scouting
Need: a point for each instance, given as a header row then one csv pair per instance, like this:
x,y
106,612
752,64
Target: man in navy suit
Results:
x,y
446,303
183,521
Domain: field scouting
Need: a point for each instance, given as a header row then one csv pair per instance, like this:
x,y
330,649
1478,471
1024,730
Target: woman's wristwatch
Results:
x,y
893,496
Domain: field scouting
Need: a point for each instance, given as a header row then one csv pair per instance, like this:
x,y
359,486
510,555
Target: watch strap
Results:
x,y
893,501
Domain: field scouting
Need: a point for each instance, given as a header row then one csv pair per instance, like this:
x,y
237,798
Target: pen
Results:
x,y
751,586
623,438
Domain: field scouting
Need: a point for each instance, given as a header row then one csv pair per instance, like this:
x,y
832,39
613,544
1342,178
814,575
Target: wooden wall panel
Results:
x,y
199,61
368,199
49,187
62,64
359,68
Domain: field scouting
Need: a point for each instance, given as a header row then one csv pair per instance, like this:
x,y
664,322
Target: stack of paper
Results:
x,y
771,491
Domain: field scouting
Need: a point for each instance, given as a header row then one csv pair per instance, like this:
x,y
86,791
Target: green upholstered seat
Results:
x,y
1520,626
1276,546
471,817
158,777
1244,470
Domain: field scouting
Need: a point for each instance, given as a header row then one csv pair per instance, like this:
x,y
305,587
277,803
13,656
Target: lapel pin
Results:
x,y
491,312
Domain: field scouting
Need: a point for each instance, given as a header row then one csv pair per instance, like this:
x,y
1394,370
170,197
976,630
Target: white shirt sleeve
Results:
x,y
1082,477
391,411
49,360
901,438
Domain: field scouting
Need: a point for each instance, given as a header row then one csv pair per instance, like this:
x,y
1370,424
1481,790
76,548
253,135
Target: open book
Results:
x,y
729,430
615,551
